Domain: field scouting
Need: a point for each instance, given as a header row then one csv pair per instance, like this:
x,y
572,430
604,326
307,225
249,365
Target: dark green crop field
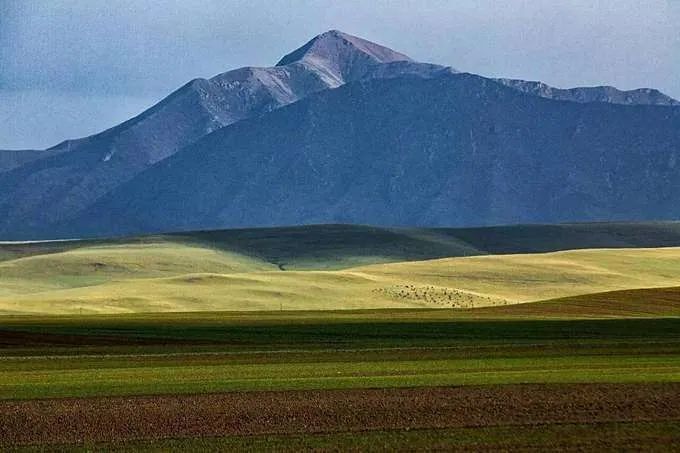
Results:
x,y
203,353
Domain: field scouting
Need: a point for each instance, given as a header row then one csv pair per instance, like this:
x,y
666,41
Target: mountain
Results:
x,y
451,150
640,96
78,172
55,193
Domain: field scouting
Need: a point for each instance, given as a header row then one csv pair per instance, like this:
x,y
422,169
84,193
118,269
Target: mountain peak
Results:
x,y
341,53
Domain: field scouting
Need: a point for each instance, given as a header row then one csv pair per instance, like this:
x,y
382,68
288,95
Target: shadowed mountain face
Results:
x,y
386,147
452,150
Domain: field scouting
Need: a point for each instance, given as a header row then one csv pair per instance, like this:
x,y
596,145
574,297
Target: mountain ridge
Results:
x,y
608,94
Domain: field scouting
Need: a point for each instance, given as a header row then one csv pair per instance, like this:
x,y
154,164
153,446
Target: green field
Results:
x,y
194,353
85,357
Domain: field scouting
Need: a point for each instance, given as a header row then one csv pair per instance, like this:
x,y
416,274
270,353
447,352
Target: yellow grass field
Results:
x,y
165,277
532,277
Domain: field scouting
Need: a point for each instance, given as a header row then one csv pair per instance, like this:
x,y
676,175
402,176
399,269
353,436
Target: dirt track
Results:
x,y
76,420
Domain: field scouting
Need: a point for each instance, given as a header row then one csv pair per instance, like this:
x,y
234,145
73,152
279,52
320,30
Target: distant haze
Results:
x,y
69,68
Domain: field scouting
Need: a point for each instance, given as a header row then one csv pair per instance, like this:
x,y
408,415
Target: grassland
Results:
x,y
260,339
334,267
331,247
163,277
531,277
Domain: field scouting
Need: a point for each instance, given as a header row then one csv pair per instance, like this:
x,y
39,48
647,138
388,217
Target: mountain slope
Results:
x,y
452,150
11,159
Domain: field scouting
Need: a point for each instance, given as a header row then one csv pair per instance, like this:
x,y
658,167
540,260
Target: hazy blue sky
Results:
x,y
69,68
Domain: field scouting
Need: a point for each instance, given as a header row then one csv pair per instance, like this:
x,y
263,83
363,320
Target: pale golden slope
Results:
x,y
188,278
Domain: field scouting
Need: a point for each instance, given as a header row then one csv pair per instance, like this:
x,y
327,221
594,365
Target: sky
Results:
x,y
70,68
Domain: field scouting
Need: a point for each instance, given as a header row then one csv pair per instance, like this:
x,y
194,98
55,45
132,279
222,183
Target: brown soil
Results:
x,y
77,420
11,339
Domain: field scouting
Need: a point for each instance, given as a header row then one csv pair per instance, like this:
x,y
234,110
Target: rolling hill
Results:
x,y
446,283
334,267
324,247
